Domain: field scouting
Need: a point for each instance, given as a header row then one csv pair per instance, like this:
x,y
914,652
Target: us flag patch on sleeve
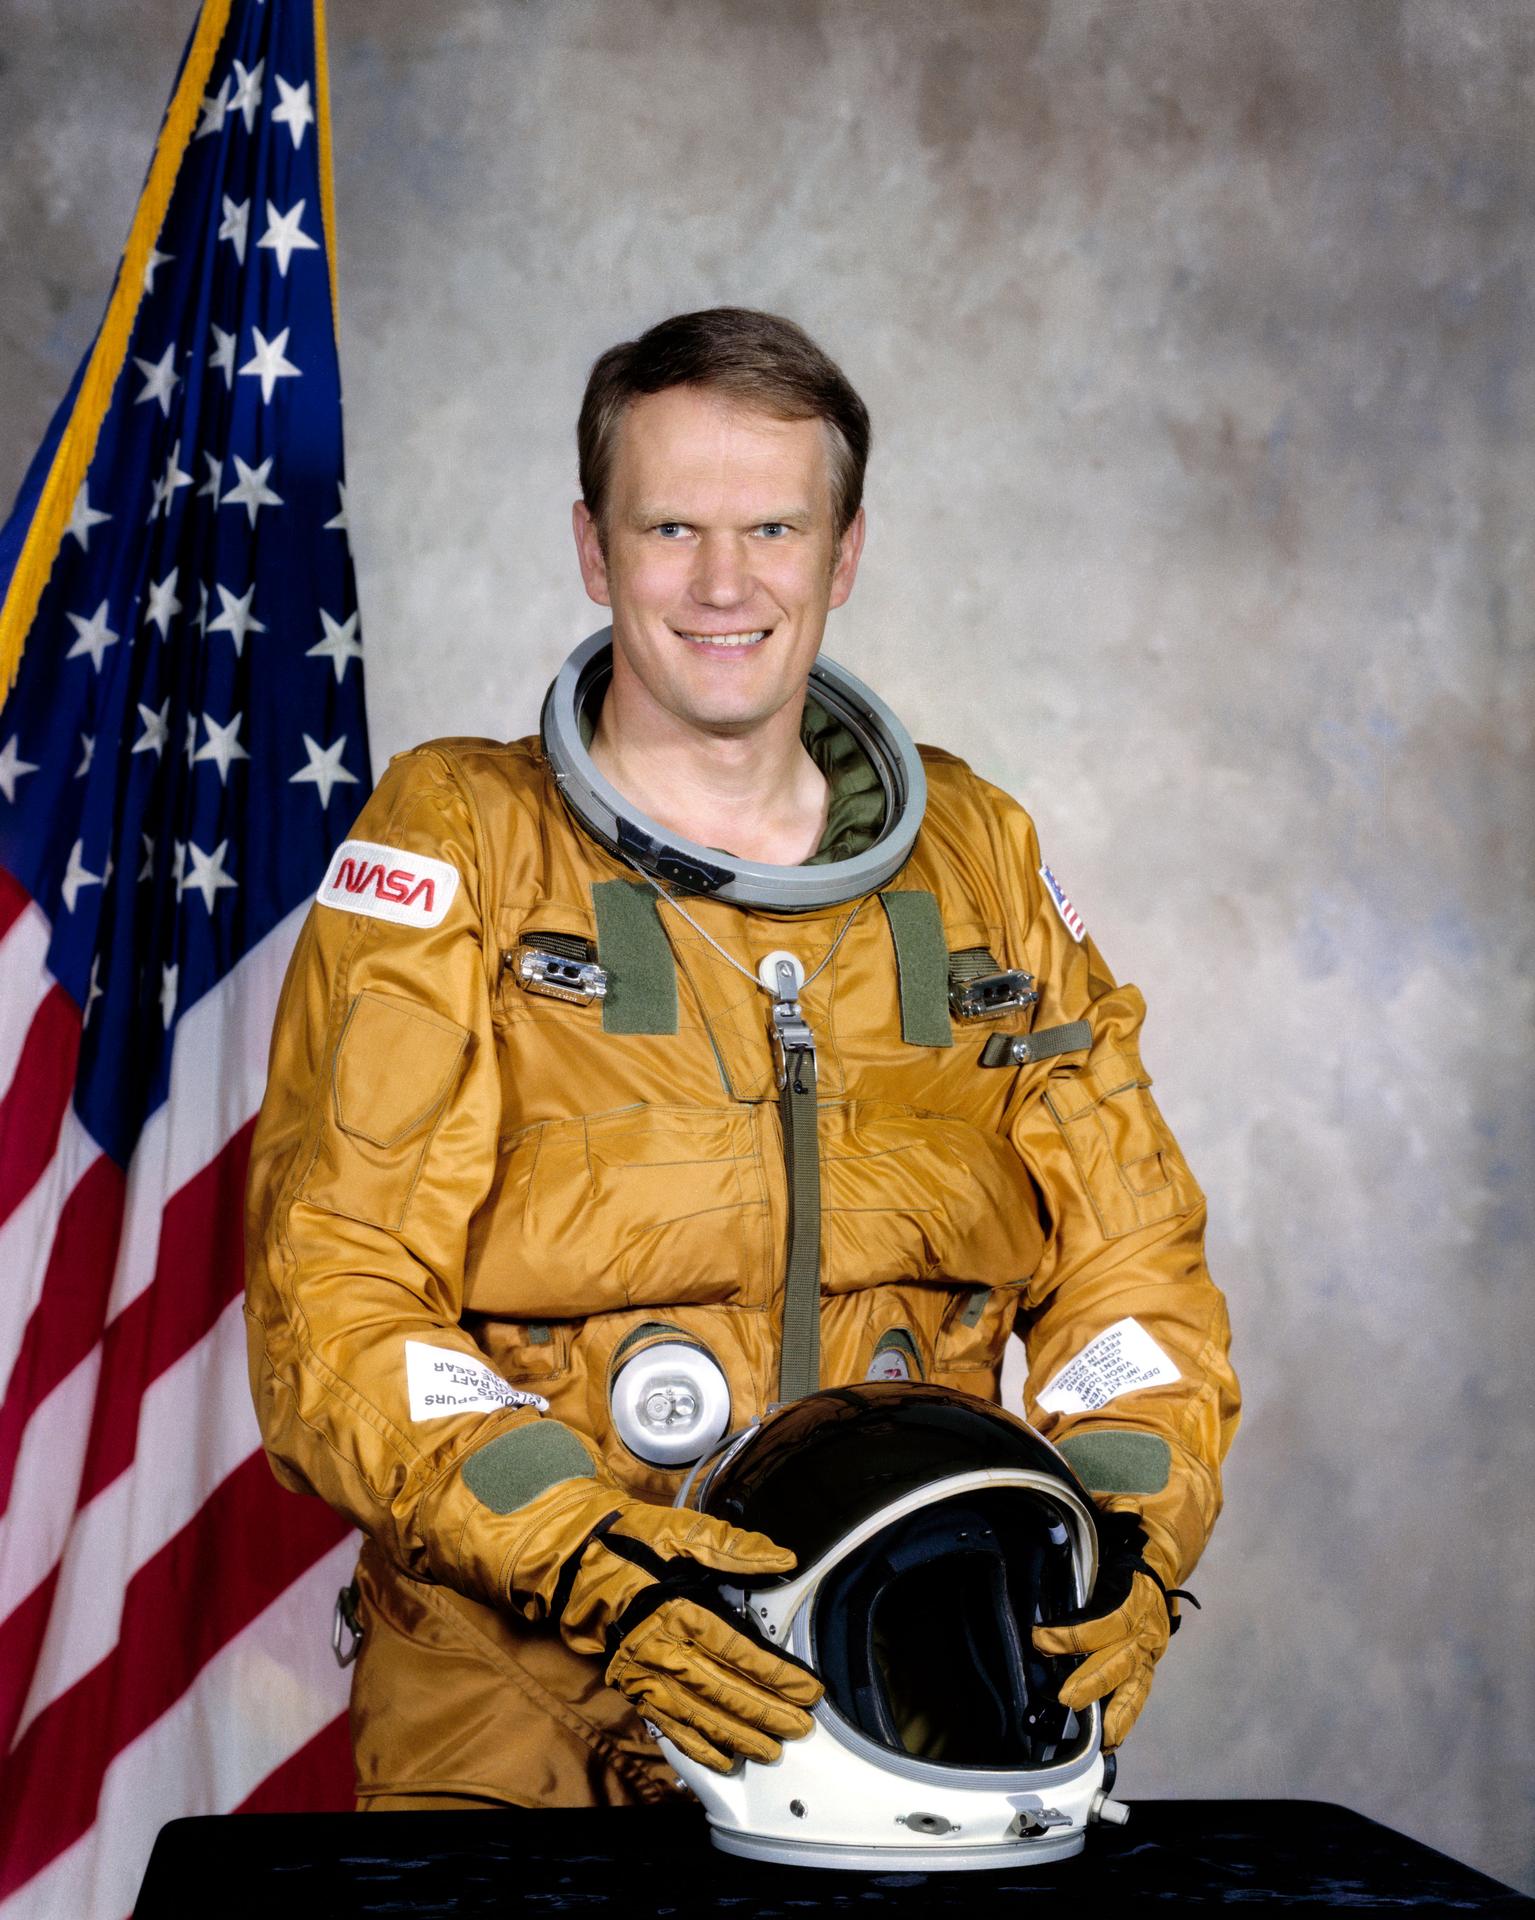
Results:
x,y
1073,922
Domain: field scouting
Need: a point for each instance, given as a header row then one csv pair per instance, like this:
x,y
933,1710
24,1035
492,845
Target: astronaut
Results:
x,y
711,1046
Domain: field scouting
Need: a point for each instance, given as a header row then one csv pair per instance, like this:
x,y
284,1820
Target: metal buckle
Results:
x,y
345,1621
558,978
792,1035
989,994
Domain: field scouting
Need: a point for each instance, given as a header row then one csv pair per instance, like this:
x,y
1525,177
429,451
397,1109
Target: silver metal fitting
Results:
x,y
670,1403
557,978
989,994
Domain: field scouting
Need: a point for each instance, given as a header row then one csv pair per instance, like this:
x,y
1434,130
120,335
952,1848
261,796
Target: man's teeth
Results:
x,y
727,639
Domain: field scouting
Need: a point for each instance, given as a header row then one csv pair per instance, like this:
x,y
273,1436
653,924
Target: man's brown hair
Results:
x,y
760,360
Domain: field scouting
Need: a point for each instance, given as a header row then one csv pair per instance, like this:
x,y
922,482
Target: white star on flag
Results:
x,y
207,876
166,486
87,755
252,492
222,745
215,108
214,480
76,877
202,607
95,635
163,604
157,728
338,520
235,225
147,871
269,362
160,380
284,235
12,768
236,620
324,770
168,977
339,645
93,992
156,260
83,516
179,860
222,358
295,113
247,94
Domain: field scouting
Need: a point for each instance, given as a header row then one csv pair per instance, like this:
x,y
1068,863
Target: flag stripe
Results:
x,y
33,1532
67,1320
14,901
27,1236
237,1556
317,1778
33,1109
24,958
201,1269
266,1691
207,1104
123,1528
21,1640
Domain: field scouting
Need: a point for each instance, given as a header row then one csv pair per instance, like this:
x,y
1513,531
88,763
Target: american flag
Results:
x,y
183,745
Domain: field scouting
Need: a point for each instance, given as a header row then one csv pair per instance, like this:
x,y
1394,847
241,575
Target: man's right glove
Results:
x,y
638,1585
1122,1631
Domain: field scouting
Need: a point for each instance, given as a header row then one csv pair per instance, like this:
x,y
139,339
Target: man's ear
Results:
x,y
845,567
594,562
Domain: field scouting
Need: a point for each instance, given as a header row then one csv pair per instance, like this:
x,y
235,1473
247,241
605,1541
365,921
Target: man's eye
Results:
x,y
774,529
670,529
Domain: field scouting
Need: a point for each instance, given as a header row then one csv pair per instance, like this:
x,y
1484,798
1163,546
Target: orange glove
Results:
x,y
1122,1631
640,1584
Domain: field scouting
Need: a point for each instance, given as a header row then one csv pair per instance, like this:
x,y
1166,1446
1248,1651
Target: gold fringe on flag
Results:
x,y
77,443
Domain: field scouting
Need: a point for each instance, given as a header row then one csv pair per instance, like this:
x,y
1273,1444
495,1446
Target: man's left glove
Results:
x,y
1122,1631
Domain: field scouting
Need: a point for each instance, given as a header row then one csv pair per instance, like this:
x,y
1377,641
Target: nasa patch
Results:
x,y
1073,922
387,883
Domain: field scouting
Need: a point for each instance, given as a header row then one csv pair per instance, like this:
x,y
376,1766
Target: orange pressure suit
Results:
x,y
445,1159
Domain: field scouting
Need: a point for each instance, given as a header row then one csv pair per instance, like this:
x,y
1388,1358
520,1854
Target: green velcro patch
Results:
x,y
632,946
516,1467
922,966
1118,1461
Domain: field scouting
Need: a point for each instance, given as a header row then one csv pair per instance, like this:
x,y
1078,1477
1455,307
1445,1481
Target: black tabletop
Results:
x,y
1173,1855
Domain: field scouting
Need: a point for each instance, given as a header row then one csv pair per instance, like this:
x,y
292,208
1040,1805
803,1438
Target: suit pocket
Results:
x,y
394,1067
1128,1162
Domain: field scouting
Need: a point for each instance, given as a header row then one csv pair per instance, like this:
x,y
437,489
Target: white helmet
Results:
x,y
932,1531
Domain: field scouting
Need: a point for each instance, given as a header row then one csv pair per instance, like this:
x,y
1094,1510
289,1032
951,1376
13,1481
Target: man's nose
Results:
x,y
722,577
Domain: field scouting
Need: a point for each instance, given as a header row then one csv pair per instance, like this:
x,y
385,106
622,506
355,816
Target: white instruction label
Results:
x,y
1122,1359
441,1380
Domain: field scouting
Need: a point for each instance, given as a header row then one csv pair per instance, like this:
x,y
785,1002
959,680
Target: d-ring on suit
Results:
x,y
473,1200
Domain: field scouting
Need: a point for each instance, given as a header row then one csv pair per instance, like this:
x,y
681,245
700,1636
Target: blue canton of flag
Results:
x,y
186,739
183,745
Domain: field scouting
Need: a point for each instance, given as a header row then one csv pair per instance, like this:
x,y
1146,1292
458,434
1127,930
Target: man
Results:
x,y
713,1021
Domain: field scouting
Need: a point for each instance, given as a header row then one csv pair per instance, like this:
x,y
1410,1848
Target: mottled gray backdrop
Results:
x,y
1198,340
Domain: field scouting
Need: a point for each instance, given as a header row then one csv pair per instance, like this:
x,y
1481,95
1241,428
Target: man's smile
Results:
x,y
750,639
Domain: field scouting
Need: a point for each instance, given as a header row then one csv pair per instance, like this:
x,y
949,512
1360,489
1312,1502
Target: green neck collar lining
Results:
x,y
855,815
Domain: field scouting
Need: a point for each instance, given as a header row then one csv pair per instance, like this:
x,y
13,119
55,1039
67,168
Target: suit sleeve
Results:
x,y
1126,1335
375,1145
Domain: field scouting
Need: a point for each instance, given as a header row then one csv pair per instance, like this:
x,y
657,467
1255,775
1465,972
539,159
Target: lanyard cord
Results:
x,y
730,959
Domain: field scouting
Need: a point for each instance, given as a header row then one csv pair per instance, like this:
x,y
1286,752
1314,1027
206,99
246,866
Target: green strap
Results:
x,y
922,967
799,1370
641,968
975,1305
1015,1049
